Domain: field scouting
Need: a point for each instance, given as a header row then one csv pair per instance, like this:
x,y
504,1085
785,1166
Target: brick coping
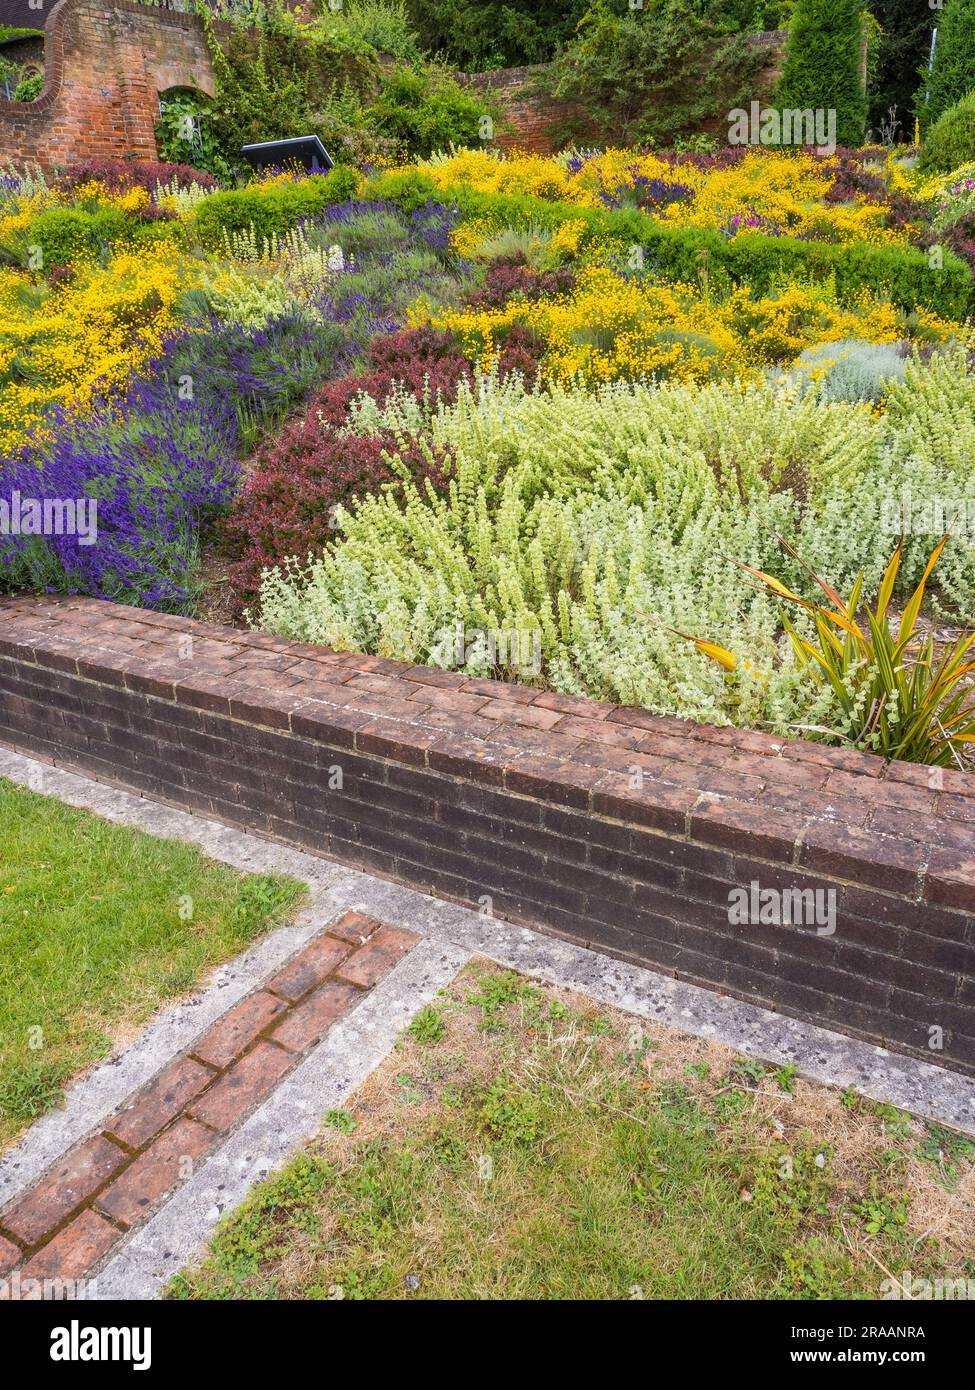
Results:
x,y
77,1211
900,828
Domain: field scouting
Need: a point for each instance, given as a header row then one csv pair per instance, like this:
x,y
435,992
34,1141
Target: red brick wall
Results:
x,y
105,64
535,118
467,788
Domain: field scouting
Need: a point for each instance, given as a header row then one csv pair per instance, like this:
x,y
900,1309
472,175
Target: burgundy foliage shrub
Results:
x,y
506,279
123,173
301,476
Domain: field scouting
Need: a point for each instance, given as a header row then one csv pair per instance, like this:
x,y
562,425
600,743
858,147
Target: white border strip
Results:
x,y
923,1088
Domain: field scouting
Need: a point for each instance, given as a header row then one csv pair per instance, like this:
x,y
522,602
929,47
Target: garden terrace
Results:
x,y
475,790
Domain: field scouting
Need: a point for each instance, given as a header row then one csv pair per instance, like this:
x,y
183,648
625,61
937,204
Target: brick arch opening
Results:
x,y
106,61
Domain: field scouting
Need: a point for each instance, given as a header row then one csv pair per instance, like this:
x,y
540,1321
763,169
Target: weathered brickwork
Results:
x,y
537,122
105,64
107,61
608,825
64,1225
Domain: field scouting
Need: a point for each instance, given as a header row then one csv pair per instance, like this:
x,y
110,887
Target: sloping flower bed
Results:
x,y
512,416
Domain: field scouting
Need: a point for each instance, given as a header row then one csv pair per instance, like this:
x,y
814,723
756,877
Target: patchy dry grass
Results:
x,y
519,1144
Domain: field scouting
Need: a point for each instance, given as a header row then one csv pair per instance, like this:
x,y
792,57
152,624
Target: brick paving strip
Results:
x,y
141,1261
71,1217
607,825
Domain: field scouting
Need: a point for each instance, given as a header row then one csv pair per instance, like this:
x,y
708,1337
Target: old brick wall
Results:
x,y
472,788
532,116
535,118
105,65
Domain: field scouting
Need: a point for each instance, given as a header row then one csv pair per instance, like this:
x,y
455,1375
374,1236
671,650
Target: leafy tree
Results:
x,y
274,82
823,64
953,75
425,109
904,46
479,35
654,74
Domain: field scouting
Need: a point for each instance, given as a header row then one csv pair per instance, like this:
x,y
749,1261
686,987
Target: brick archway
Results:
x,y
106,61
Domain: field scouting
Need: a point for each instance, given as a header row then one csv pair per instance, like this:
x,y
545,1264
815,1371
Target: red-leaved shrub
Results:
x,y
507,279
123,173
287,506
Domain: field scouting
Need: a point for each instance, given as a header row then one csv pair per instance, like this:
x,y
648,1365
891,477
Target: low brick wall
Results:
x,y
528,803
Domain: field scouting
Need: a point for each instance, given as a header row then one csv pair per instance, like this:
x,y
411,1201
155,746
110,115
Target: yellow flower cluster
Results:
x,y
65,345
610,328
942,188
22,211
467,236
518,172
782,193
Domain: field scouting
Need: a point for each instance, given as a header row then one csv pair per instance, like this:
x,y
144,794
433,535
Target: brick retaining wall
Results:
x,y
482,791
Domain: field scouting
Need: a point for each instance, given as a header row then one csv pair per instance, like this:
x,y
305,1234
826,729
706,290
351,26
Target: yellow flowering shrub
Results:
x,y
467,237
519,172
783,192
780,192
21,212
66,344
610,328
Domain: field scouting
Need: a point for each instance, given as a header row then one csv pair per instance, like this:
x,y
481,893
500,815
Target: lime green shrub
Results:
x,y
270,209
951,140
593,524
66,235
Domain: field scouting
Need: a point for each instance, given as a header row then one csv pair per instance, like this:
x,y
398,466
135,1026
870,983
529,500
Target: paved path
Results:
x,y
123,1186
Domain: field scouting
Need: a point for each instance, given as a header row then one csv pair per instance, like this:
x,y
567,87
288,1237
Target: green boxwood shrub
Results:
x,y
66,235
272,210
951,140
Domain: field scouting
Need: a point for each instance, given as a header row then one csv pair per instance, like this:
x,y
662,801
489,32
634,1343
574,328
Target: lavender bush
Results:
x,y
158,467
162,459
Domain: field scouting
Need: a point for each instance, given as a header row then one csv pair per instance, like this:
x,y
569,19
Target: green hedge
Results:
x,y
273,209
66,235
951,140
750,259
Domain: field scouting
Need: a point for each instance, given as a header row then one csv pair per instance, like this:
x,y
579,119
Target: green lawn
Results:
x,y
519,1146
99,926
